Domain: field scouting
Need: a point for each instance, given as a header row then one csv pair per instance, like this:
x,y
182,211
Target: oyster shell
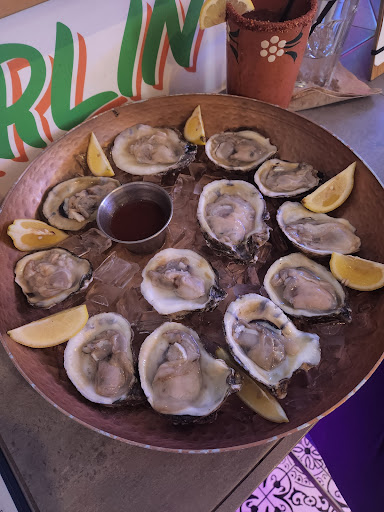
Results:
x,y
231,216
317,234
49,277
243,150
178,281
179,377
72,204
278,178
303,288
266,343
143,150
99,361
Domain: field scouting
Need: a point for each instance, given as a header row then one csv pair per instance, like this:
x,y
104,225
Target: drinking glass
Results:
x,y
327,36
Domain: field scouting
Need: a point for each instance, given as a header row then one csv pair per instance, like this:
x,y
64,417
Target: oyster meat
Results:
x,y
179,377
144,150
177,281
49,277
243,150
231,216
72,204
301,287
99,361
266,343
317,234
277,178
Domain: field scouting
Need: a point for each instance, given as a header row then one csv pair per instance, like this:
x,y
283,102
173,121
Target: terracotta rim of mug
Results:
x,y
273,26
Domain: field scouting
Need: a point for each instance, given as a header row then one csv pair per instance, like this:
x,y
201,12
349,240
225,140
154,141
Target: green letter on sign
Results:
x,y
65,117
129,46
19,113
165,13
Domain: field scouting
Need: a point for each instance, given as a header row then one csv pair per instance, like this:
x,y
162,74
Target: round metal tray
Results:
x,y
350,353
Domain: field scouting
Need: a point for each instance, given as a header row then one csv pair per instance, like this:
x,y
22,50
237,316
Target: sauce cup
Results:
x,y
133,193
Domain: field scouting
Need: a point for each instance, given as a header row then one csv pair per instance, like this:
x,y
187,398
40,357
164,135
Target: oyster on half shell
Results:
x,y
99,360
144,150
231,215
49,277
303,288
317,234
72,204
266,343
179,377
178,281
242,150
278,178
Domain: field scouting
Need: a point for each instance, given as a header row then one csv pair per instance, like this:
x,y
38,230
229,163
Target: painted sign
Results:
x,y
61,62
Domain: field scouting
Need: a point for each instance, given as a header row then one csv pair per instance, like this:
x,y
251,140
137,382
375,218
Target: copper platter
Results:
x,y
350,353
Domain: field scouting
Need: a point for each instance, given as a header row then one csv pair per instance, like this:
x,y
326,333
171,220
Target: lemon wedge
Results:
x,y
213,11
253,395
51,330
194,128
357,273
31,234
97,162
332,193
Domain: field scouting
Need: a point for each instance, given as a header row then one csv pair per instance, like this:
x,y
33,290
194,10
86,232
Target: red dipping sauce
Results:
x,y
137,220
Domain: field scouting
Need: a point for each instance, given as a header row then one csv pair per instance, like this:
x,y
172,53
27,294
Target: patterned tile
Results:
x,y
323,478
287,463
300,483
298,477
254,502
312,461
309,457
273,480
297,495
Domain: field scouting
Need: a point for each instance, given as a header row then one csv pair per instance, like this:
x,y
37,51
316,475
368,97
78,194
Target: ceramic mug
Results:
x,y
263,53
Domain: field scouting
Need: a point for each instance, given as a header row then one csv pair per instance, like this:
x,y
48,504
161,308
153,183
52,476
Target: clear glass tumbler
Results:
x,y
327,36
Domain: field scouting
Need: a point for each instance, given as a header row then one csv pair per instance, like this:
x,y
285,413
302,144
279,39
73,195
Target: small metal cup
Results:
x,y
129,193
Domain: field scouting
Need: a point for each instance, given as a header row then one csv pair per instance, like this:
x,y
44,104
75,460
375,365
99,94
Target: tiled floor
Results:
x,y
300,483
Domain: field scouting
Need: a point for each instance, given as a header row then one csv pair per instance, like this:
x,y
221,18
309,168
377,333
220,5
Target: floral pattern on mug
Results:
x,y
275,47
